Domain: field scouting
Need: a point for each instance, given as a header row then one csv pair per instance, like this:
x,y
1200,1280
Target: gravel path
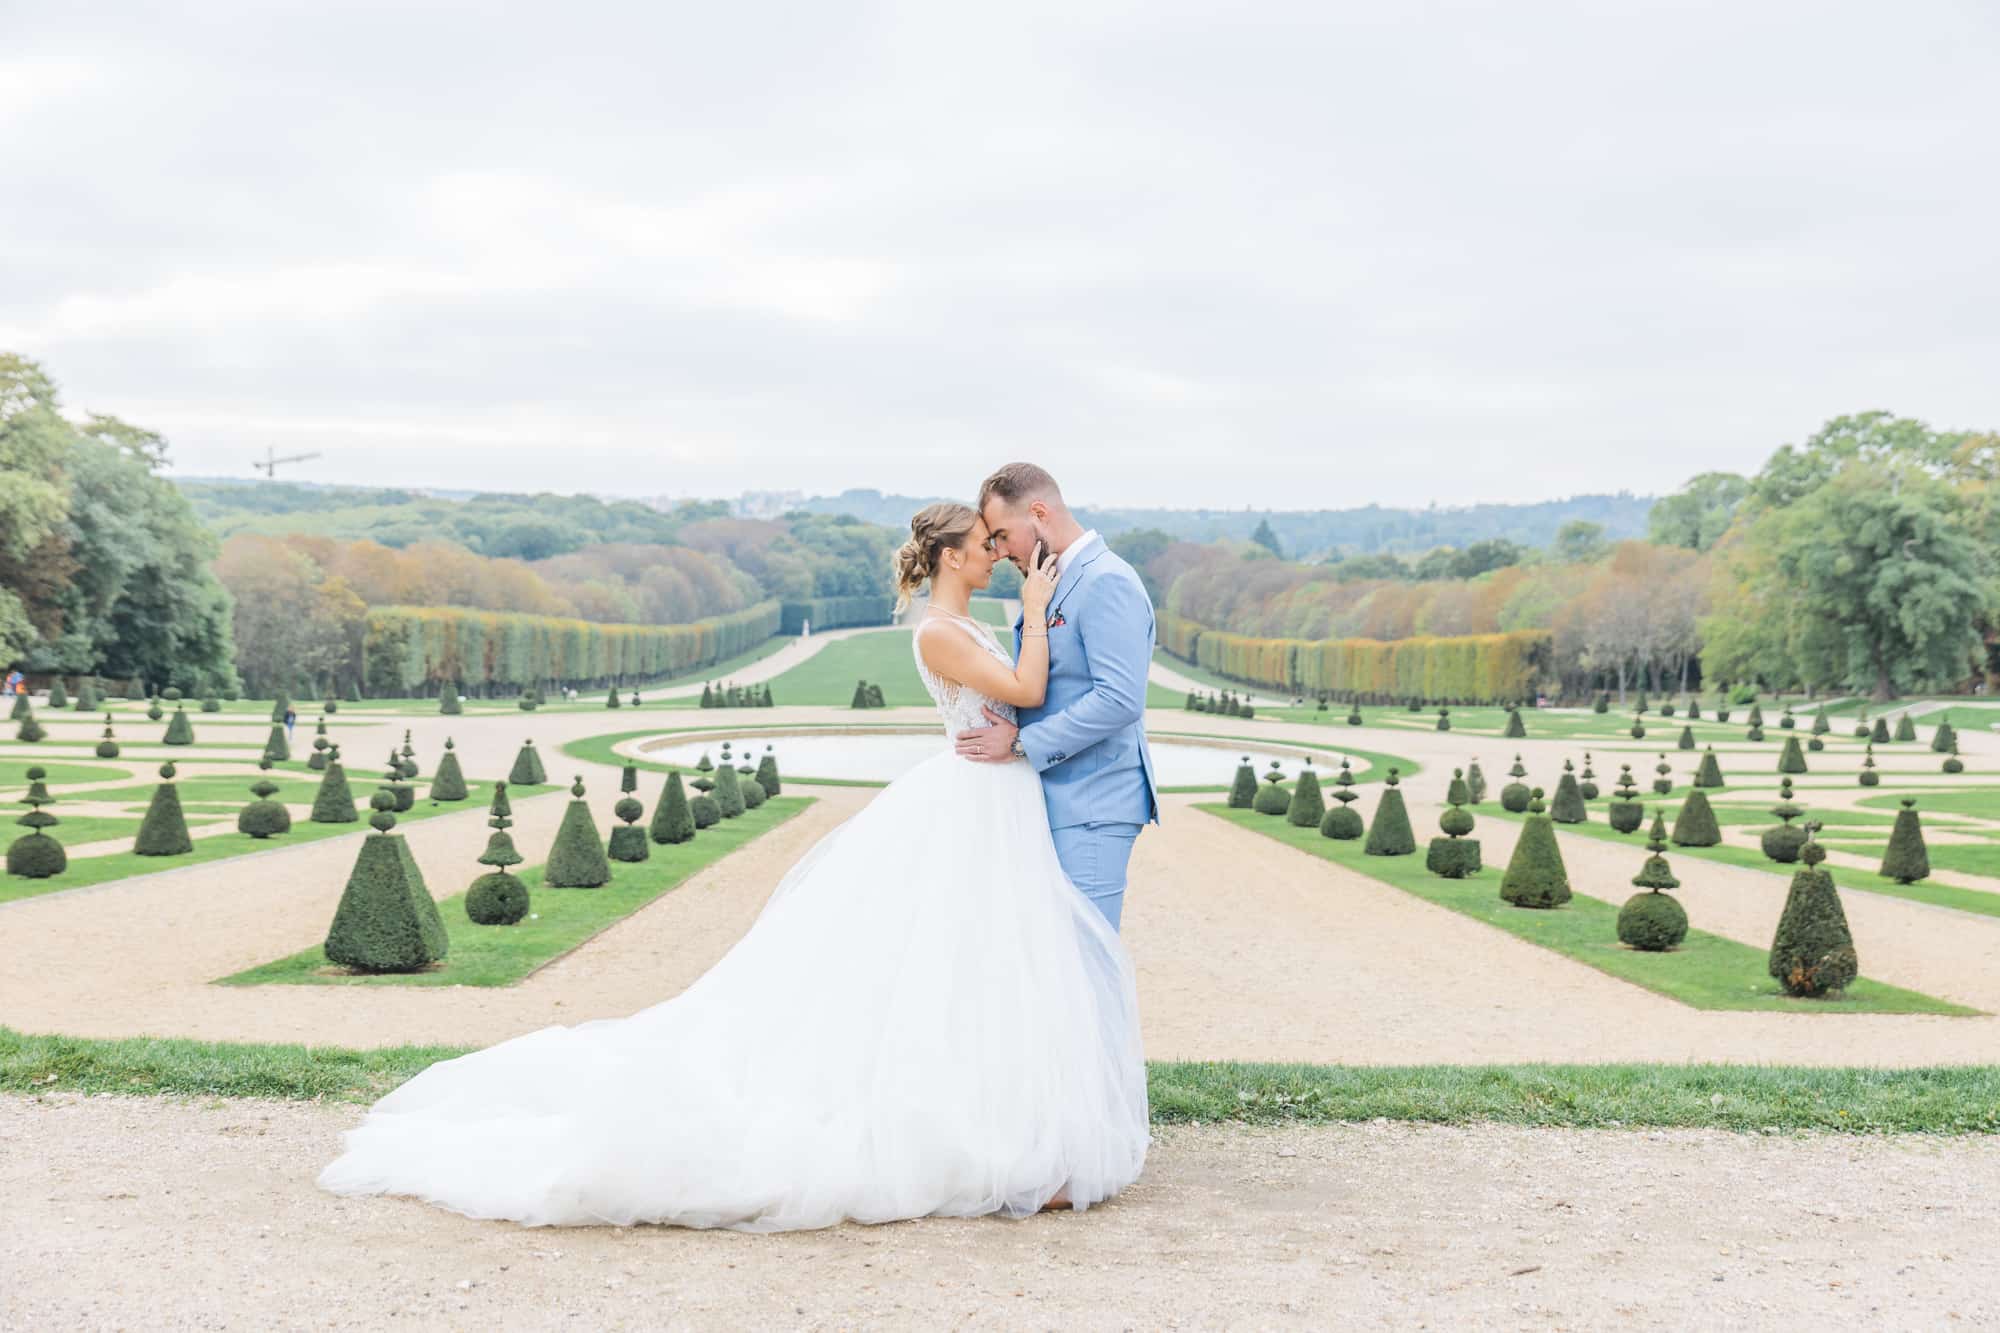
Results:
x,y
163,1213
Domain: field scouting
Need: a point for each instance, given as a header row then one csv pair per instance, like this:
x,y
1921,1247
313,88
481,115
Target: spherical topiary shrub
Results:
x,y
527,770
577,860
1869,777
1444,719
1652,922
36,855
386,921
108,747
1390,833
1354,714
1273,798
706,812
628,841
1243,791
449,784
1307,807
1815,744
264,817
498,898
153,710
1341,821
1638,730
1813,952
1454,856
672,820
1535,874
1625,813
1907,860
1781,842
1587,781
1515,795
164,831
1787,722
753,791
1696,826
1952,763
1663,782
1568,806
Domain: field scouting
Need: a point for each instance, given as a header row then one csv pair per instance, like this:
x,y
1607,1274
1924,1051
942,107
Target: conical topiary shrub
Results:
x,y
1586,781
449,706
497,898
1709,774
1308,807
1663,781
164,831
1813,950
1879,734
1515,731
1792,759
276,748
1243,791
449,784
1640,707
1944,737
1341,821
1686,741
1390,833
767,772
1515,795
1869,777
728,794
333,803
279,707
386,921
1781,842
58,696
1694,709
1603,703
1475,784
107,748
1695,826
1568,806
577,860
1820,726
36,855
30,730
88,699
1625,813
403,794
180,729
1454,856
1906,730
1273,798
527,770
672,820
1535,874
21,709
1907,860
1756,718
860,699
1652,922
1952,763
264,817
611,700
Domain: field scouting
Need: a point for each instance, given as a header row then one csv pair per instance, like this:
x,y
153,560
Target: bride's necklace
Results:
x,y
953,614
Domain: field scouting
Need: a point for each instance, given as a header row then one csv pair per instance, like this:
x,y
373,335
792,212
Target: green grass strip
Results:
x,y
560,920
86,871
1743,1098
1706,972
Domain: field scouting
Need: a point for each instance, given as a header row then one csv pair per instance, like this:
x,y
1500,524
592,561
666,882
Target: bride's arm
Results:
x,y
952,654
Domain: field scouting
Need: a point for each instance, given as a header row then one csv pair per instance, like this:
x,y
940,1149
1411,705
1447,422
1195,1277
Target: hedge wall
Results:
x,y
415,649
836,613
1490,668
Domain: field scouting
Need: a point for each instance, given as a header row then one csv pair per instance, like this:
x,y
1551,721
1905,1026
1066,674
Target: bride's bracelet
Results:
x,y
1034,633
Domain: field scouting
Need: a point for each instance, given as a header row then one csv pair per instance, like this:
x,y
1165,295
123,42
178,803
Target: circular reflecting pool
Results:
x,y
886,755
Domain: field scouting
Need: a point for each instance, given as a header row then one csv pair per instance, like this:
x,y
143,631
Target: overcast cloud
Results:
x,y
1290,255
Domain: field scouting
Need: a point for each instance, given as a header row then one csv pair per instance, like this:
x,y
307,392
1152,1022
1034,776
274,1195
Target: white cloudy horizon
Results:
x,y
1287,255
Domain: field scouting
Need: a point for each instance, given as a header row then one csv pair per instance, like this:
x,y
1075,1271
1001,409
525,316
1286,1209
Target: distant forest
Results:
x,y
1309,534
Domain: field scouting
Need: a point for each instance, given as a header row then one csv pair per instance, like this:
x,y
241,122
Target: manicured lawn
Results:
x,y
559,920
85,871
1743,1098
14,775
882,658
1706,972
1978,802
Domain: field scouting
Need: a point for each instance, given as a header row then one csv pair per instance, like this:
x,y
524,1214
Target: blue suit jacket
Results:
x,y
1088,738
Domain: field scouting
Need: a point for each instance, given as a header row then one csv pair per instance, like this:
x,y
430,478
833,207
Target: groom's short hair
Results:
x,y
1018,482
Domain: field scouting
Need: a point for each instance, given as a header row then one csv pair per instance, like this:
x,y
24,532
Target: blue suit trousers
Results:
x,y
1094,856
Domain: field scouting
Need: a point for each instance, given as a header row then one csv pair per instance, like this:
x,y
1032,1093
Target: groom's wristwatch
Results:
x,y
1014,747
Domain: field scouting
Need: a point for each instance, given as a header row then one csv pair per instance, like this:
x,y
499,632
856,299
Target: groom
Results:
x,y
1088,738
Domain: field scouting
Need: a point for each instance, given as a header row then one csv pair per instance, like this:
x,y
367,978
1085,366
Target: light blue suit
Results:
x,y
1088,738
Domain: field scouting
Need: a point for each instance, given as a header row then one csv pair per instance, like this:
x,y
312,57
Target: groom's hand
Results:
x,y
989,745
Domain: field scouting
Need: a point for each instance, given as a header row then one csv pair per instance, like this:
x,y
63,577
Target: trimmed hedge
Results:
x,y
835,612
1479,668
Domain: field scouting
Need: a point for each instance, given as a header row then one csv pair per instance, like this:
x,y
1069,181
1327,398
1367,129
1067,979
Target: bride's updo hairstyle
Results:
x,y
934,530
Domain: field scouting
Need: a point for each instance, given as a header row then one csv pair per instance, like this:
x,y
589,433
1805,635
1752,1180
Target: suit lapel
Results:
x,y
1075,572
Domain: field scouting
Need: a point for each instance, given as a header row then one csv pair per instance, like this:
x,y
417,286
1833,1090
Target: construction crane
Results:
x,y
268,464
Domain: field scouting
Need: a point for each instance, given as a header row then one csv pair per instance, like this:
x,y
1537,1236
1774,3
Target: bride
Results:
x,y
926,1018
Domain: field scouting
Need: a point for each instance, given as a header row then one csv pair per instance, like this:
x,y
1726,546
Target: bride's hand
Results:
x,y
1037,586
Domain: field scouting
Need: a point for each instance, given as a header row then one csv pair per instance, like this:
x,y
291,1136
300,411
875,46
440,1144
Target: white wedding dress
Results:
x,y
927,1017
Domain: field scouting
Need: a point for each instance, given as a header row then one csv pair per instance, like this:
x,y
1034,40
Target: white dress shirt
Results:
x,y
1072,551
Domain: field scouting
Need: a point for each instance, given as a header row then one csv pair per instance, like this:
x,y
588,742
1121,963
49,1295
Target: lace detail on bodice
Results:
x,y
958,706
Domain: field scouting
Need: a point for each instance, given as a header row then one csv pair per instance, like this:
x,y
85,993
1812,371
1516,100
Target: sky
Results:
x,y
1289,255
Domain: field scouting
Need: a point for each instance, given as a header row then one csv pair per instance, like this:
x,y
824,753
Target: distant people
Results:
x,y
16,683
1541,700
291,716
805,629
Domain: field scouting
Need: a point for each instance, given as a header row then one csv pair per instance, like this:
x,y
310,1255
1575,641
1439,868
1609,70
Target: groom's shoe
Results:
x,y
1060,1201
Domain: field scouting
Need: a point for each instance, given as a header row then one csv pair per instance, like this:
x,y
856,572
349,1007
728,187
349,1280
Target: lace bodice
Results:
x,y
958,706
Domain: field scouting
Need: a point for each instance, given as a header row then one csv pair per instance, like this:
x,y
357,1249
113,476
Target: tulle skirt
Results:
x,y
927,1018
